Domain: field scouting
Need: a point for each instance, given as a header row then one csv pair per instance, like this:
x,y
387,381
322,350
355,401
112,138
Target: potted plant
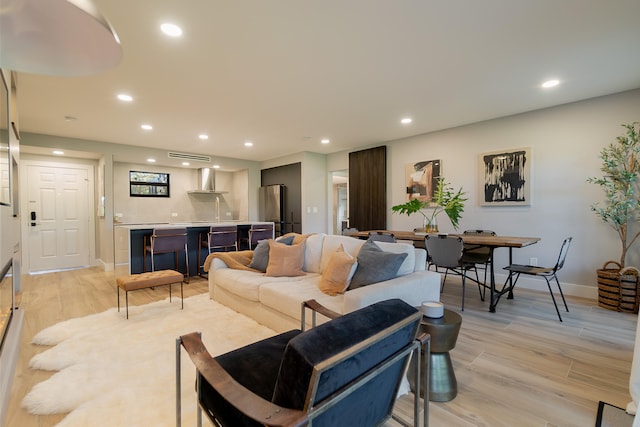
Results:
x,y
445,199
620,180
621,168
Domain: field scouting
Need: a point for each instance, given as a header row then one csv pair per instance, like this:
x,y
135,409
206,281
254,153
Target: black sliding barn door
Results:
x,y
368,189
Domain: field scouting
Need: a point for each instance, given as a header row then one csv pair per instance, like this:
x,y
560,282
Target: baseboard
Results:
x,y
8,361
106,266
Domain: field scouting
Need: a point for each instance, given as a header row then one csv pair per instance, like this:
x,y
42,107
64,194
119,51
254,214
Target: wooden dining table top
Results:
x,y
473,239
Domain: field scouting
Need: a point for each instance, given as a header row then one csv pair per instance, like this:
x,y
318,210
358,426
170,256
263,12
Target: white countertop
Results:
x,y
140,226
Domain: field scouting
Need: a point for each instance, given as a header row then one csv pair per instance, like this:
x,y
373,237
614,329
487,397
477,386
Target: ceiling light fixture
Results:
x,y
185,163
58,152
248,144
172,30
151,160
203,136
325,141
146,127
216,166
550,83
57,38
406,120
124,97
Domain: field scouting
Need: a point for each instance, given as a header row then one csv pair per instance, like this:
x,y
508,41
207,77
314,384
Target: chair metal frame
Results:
x,y
455,265
158,238
515,270
271,414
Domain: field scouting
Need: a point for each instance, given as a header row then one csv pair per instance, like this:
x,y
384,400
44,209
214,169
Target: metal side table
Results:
x,y
443,386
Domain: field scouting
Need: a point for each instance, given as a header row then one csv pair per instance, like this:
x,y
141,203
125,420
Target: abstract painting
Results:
x,y
506,177
422,178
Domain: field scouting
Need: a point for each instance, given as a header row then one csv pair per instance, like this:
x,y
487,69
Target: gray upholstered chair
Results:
x,y
345,372
166,240
446,252
382,236
515,270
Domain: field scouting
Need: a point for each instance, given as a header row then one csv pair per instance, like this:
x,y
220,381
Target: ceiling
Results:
x,y
285,74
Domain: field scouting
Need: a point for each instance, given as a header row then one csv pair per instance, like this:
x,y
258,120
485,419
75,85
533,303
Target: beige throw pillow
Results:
x,y
285,260
337,274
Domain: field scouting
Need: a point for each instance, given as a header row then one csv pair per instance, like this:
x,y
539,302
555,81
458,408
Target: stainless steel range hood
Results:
x,y
207,182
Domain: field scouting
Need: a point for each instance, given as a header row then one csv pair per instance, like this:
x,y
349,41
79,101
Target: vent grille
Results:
x,y
187,156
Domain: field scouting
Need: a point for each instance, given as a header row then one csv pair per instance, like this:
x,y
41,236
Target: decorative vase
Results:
x,y
430,226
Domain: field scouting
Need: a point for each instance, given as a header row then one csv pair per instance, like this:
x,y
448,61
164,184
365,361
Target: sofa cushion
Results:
x,y
285,260
313,253
409,264
285,295
260,258
245,283
331,243
375,265
338,273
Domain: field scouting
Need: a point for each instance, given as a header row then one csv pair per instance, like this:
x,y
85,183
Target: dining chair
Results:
x,y
259,232
166,240
478,254
382,236
218,237
446,252
515,270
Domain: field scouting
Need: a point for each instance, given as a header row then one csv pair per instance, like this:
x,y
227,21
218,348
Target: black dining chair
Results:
x,y
515,270
446,252
478,254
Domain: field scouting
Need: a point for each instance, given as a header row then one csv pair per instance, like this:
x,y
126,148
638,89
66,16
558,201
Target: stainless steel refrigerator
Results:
x,y
271,206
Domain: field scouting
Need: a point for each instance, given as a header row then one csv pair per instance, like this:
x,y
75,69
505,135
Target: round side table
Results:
x,y
443,386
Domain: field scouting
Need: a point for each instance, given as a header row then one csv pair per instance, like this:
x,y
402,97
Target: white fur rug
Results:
x,y
117,372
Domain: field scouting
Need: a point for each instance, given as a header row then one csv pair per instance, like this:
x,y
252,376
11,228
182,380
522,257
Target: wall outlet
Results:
x,y
533,262
174,214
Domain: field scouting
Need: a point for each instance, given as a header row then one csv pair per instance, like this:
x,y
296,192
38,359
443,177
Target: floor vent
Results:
x,y
187,156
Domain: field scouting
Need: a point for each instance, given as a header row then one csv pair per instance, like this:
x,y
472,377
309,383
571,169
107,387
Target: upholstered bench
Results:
x,y
150,279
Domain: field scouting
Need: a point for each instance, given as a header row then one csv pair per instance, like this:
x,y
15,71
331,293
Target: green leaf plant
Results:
x,y
620,182
445,199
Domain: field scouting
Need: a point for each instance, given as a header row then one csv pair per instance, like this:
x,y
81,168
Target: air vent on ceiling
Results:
x,y
187,156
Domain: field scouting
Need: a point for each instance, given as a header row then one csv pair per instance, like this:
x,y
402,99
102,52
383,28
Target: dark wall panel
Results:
x,y
368,189
291,177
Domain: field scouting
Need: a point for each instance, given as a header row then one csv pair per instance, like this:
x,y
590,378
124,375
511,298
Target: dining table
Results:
x,y
489,241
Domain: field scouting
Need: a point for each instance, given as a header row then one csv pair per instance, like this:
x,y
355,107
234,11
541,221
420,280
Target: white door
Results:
x,y
58,217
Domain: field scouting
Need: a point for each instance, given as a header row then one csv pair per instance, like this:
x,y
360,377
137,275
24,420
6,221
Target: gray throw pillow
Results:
x,y
375,265
260,258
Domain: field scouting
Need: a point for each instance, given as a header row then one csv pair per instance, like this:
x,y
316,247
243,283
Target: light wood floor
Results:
x,y
516,367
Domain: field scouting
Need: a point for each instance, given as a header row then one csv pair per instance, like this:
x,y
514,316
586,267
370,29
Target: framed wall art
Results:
x,y
421,179
505,177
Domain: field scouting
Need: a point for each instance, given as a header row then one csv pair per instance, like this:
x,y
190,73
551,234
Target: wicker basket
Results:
x,y
618,287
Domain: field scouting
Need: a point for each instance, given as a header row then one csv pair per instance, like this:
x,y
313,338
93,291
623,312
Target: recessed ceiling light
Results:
x,y
171,30
151,160
216,166
146,127
325,141
248,144
203,136
550,83
185,163
406,120
58,152
124,97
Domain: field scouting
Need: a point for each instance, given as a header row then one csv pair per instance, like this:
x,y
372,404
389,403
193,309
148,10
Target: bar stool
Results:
x,y
165,240
259,232
218,237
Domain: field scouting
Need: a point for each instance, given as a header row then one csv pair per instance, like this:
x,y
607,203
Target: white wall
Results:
x,y
565,142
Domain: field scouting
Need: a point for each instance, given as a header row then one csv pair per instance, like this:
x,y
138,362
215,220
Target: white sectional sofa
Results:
x,y
275,301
